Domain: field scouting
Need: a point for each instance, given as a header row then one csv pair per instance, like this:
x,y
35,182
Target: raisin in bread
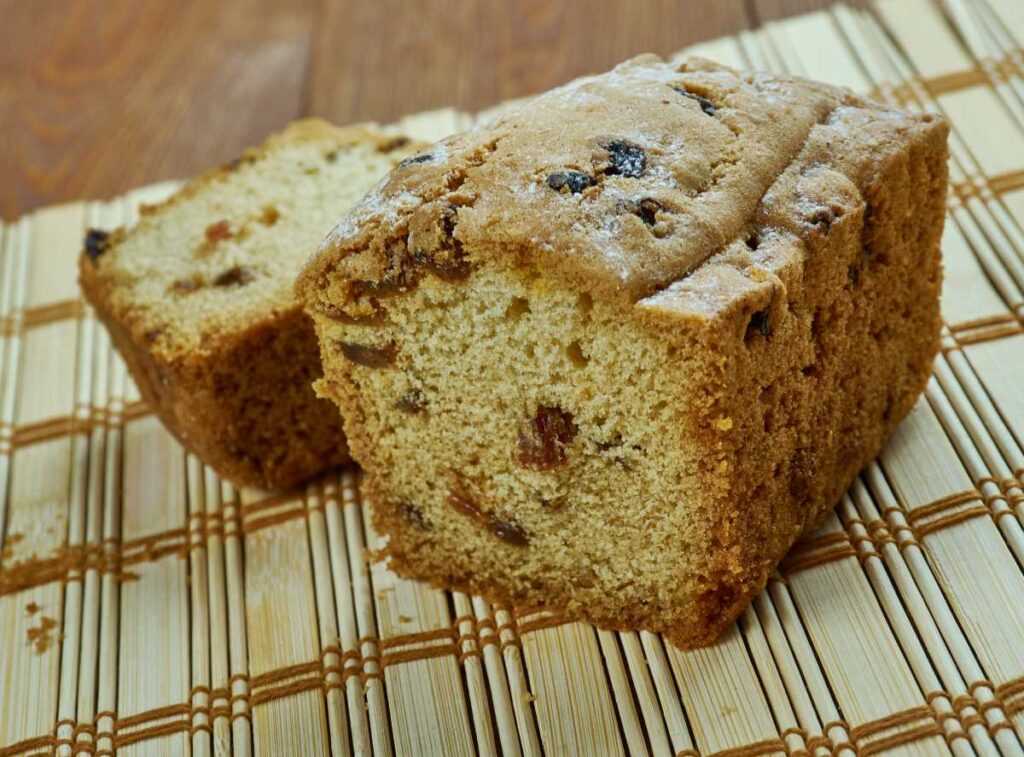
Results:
x,y
198,299
616,352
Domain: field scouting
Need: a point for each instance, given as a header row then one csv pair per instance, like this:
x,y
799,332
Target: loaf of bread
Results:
x,y
616,352
198,299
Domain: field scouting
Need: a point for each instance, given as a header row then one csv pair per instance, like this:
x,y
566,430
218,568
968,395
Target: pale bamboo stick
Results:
x,y
722,695
346,617
366,622
330,638
280,621
223,496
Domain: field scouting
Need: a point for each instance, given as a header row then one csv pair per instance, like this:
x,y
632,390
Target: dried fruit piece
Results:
x,y
625,159
510,531
218,231
237,275
463,504
414,516
368,355
542,444
97,242
705,104
412,403
270,215
570,182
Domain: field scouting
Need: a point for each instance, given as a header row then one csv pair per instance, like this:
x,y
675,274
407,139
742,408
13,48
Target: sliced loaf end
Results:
x,y
198,299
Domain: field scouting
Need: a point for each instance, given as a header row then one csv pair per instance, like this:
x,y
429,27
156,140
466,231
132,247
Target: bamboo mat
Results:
x,y
146,607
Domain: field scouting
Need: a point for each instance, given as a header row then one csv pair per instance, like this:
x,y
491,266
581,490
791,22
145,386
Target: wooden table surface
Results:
x,y
98,96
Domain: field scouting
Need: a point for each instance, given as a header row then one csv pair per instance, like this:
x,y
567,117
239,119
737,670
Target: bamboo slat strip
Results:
x,y
470,655
646,693
107,673
723,696
866,668
568,690
86,669
428,711
76,537
239,715
923,597
366,623
923,467
348,634
281,625
154,601
955,724
989,214
331,651
30,620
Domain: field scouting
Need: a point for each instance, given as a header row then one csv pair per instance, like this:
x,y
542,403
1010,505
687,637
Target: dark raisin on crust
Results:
x,y
705,104
96,243
625,159
647,209
236,275
753,241
368,355
423,158
570,182
414,516
510,531
542,443
758,325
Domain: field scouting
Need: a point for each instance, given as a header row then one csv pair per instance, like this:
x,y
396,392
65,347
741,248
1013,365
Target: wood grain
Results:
x,y
473,55
98,96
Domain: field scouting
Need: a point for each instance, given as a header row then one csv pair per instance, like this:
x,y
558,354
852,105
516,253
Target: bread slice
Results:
x,y
615,353
198,299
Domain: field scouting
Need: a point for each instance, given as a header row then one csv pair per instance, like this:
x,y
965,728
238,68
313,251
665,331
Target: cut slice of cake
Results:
x,y
617,351
198,299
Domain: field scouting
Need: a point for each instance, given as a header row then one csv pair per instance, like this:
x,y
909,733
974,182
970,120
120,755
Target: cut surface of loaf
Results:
x,y
198,299
616,352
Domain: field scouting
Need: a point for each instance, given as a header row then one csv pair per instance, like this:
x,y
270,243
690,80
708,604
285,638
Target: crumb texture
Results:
x,y
615,352
198,299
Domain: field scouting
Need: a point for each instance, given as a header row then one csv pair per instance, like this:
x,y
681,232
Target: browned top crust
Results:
x,y
618,184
